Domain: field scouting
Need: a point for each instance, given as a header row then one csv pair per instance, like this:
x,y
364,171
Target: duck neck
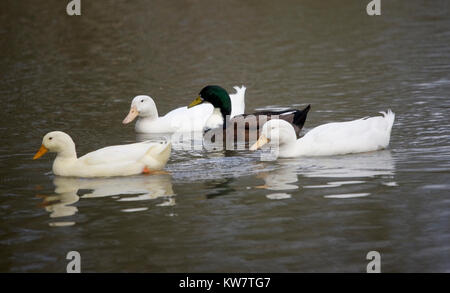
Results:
x,y
145,119
299,147
291,147
151,114
225,112
64,159
68,153
222,104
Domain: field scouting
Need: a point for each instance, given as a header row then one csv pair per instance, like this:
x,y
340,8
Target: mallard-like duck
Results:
x,y
241,125
339,138
180,119
120,160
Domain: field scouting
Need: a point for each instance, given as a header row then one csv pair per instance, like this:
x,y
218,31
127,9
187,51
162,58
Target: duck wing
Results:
x,y
295,117
116,154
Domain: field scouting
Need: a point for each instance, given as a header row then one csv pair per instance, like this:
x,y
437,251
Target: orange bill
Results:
x,y
258,144
131,115
40,152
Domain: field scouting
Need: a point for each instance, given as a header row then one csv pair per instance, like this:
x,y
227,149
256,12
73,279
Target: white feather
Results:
x,y
121,160
361,135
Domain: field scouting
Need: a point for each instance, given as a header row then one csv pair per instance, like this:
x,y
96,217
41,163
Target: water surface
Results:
x,y
226,211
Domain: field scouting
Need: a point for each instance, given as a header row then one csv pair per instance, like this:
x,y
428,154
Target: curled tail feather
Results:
x,y
240,90
390,117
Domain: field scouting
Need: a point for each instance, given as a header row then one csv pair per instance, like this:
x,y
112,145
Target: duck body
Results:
x,y
120,160
244,127
182,119
339,138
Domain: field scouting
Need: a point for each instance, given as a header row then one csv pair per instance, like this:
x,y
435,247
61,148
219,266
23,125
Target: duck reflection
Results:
x,y
60,203
142,187
279,179
285,175
348,166
128,189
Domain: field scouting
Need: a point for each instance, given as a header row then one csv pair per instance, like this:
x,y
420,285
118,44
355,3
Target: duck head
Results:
x,y
142,106
56,142
275,132
215,95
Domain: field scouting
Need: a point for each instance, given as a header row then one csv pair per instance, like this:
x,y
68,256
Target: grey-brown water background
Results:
x,y
220,212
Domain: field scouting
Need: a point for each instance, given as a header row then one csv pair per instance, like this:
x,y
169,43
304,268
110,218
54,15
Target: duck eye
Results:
x,y
50,138
142,101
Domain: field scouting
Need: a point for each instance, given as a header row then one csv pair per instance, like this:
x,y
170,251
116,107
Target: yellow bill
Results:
x,y
259,143
40,152
196,102
131,115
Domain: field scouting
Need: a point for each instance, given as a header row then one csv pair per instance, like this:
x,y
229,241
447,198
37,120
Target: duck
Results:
x,y
242,126
337,138
181,119
120,160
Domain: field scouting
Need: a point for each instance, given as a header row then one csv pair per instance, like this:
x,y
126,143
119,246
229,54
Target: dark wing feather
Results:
x,y
295,117
240,123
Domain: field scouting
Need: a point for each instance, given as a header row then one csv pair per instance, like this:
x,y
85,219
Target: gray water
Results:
x,y
226,211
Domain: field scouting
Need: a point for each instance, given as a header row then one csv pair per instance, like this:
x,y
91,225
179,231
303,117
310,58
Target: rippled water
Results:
x,y
226,211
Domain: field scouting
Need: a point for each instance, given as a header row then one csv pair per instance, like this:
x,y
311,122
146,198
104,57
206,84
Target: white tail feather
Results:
x,y
238,101
390,117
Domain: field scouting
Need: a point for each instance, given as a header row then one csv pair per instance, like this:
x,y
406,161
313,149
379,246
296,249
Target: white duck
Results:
x,y
120,160
180,119
362,135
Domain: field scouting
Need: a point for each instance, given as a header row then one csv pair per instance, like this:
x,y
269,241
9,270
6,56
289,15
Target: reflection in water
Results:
x,y
219,187
348,195
278,196
142,187
60,204
350,166
280,179
333,184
